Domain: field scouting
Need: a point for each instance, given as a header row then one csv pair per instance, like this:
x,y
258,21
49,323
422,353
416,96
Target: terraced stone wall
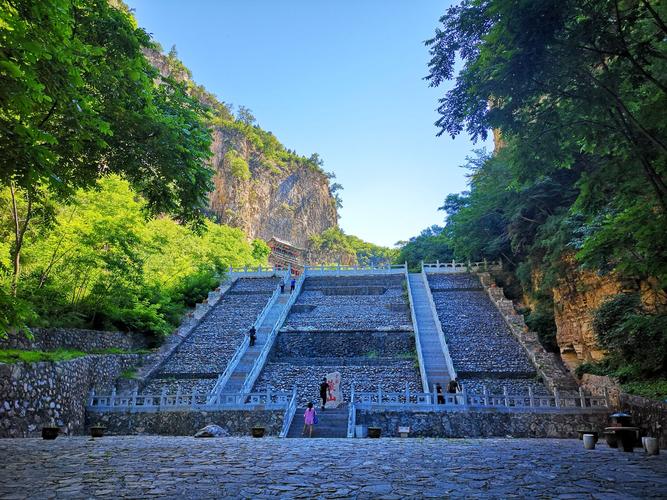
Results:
x,y
204,354
51,339
483,349
186,423
481,423
357,325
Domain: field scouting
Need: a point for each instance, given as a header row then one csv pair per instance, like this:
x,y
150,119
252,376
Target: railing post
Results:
x,y
485,392
268,395
464,395
556,398
422,264
437,264
606,397
407,393
113,397
91,397
380,395
507,401
163,396
530,395
582,397
351,393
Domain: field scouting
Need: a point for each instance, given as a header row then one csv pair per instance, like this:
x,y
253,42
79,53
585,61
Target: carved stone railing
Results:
x,y
438,325
258,365
340,270
289,415
415,326
464,400
461,267
136,402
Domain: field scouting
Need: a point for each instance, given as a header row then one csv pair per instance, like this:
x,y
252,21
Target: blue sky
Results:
x,y
343,79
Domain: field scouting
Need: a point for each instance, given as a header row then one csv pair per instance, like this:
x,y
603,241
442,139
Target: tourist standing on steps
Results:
x,y
309,420
282,286
292,285
324,389
453,387
441,396
253,335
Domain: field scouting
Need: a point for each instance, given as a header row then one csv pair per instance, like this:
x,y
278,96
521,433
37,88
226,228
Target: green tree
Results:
x,y
79,100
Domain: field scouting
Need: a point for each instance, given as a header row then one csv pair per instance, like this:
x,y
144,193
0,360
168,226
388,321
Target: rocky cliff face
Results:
x,y
260,186
576,298
290,203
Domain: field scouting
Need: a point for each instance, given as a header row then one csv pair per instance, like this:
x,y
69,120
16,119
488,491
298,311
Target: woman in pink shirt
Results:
x,y
309,419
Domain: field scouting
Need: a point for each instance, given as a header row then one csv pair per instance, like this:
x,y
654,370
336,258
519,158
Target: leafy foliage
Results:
x,y
572,90
430,246
101,264
333,246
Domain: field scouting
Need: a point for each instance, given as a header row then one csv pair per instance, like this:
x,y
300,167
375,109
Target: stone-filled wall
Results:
x,y
186,423
548,365
342,344
481,423
198,360
52,339
356,325
350,303
38,394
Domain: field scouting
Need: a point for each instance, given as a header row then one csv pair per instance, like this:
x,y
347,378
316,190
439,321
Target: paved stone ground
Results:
x,y
172,467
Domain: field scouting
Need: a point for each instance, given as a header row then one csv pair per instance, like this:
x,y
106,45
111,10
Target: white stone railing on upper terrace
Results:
x,y
256,272
464,400
341,270
461,267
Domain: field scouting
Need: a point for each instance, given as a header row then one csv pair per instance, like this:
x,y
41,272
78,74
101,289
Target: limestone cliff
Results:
x,y
291,203
576,297
260,186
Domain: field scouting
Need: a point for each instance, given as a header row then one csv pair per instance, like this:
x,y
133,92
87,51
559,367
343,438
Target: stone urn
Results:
x,y
593,433
374,432
651,445
97,431
258,432
50,432
589,441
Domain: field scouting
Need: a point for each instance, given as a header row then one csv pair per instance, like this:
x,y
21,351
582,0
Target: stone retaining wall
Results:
x,y
186,423
343,344
38,394
481,423
51,339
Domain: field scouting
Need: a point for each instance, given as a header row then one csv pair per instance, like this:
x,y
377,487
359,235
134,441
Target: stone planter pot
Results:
x,y
612,440
97,431
374,432
50,432
595,434
589,441
258,432
652,447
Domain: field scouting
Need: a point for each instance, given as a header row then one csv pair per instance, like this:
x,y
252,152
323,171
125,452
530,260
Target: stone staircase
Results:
x,y
332,423
240,373
435,364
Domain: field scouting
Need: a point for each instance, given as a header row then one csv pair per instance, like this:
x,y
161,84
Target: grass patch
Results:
x,y
11,356
129,374
652,389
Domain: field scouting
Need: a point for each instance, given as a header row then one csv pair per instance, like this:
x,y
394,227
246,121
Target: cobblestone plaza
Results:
x,y
173,467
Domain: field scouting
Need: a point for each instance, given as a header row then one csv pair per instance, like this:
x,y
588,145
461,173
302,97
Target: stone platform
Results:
x,y
167,467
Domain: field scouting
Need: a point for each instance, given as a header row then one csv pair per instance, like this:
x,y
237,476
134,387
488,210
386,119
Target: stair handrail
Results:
x,y
268,344
352,415
289,414
224,377
438,325
418,346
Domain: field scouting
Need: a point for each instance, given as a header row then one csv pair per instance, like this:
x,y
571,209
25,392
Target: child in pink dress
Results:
x,y
309,419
